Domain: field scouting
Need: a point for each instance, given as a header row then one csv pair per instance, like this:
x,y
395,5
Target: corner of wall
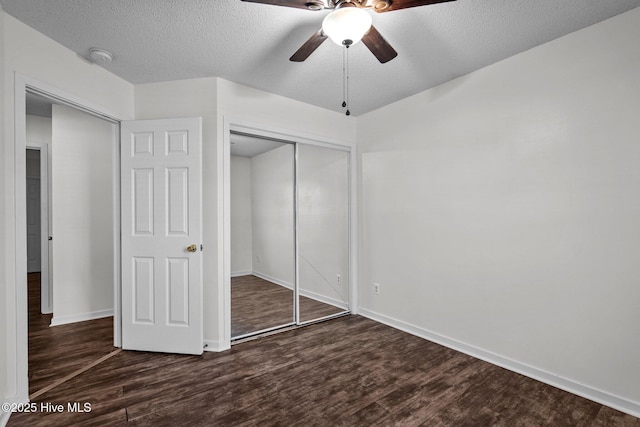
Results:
x,y
4,279
454,205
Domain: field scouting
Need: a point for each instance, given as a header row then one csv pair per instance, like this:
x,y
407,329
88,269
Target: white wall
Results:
x,y
38,129
241,103
5,280
500,211
30,53
82,206
241,228
272,203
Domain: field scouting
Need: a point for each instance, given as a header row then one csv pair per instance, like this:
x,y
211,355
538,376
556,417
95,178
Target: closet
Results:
x,y
290,248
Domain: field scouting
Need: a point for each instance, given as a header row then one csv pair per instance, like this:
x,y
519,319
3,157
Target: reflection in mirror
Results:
x,y
323,231
262,235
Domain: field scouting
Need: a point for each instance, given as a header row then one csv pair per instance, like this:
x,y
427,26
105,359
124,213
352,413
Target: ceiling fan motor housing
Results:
x,y
377,5
315,4
380,5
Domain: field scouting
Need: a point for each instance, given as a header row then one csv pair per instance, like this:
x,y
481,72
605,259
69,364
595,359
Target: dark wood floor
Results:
x,y
350,371
61,350
257,304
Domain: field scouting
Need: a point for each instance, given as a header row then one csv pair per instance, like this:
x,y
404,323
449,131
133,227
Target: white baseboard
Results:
x,y
63,320
241,273
588,392
4,418
273,280
215,346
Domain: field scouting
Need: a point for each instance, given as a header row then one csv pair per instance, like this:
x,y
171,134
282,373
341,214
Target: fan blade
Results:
x,y
405,4
309,46
299,4
379,46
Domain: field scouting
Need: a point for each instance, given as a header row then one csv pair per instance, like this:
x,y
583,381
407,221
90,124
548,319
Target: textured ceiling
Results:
x,y
250,43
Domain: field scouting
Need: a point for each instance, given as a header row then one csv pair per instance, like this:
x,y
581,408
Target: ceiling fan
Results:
x,y
349,23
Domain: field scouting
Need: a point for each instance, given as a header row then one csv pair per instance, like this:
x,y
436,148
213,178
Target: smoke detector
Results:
x,y
100,56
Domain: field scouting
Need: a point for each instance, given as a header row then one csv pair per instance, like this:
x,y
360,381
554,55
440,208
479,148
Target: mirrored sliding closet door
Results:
x,y
322,232
262,235
290,247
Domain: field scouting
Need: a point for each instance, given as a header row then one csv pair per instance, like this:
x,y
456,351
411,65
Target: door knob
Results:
x,y
192,248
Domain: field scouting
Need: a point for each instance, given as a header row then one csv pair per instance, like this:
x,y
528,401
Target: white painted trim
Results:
x,y
241,273
566,384
215,346
296,235
224,230
20,383
117,242
354,230
4,416
65,320
46,306
271,132
46,300
55,94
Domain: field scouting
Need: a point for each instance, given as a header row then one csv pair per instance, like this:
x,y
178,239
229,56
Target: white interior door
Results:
x,y
161,178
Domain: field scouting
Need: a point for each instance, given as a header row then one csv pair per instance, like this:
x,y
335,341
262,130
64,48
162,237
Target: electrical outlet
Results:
x,y
338,279
376,289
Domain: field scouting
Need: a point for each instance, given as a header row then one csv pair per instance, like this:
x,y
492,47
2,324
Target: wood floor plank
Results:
x,y
55,352
350,371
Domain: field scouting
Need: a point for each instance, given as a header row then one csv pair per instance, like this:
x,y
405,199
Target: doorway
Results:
x,y
289,232
87,234
37,210
102,201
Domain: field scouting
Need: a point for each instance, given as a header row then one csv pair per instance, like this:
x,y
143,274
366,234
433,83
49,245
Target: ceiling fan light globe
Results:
x,y
349,23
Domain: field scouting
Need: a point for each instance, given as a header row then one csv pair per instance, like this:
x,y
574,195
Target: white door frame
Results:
x,y
46,306
22,84
241,125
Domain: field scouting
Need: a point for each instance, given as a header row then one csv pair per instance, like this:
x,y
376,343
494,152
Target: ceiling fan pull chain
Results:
x,y
347,81
344,90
